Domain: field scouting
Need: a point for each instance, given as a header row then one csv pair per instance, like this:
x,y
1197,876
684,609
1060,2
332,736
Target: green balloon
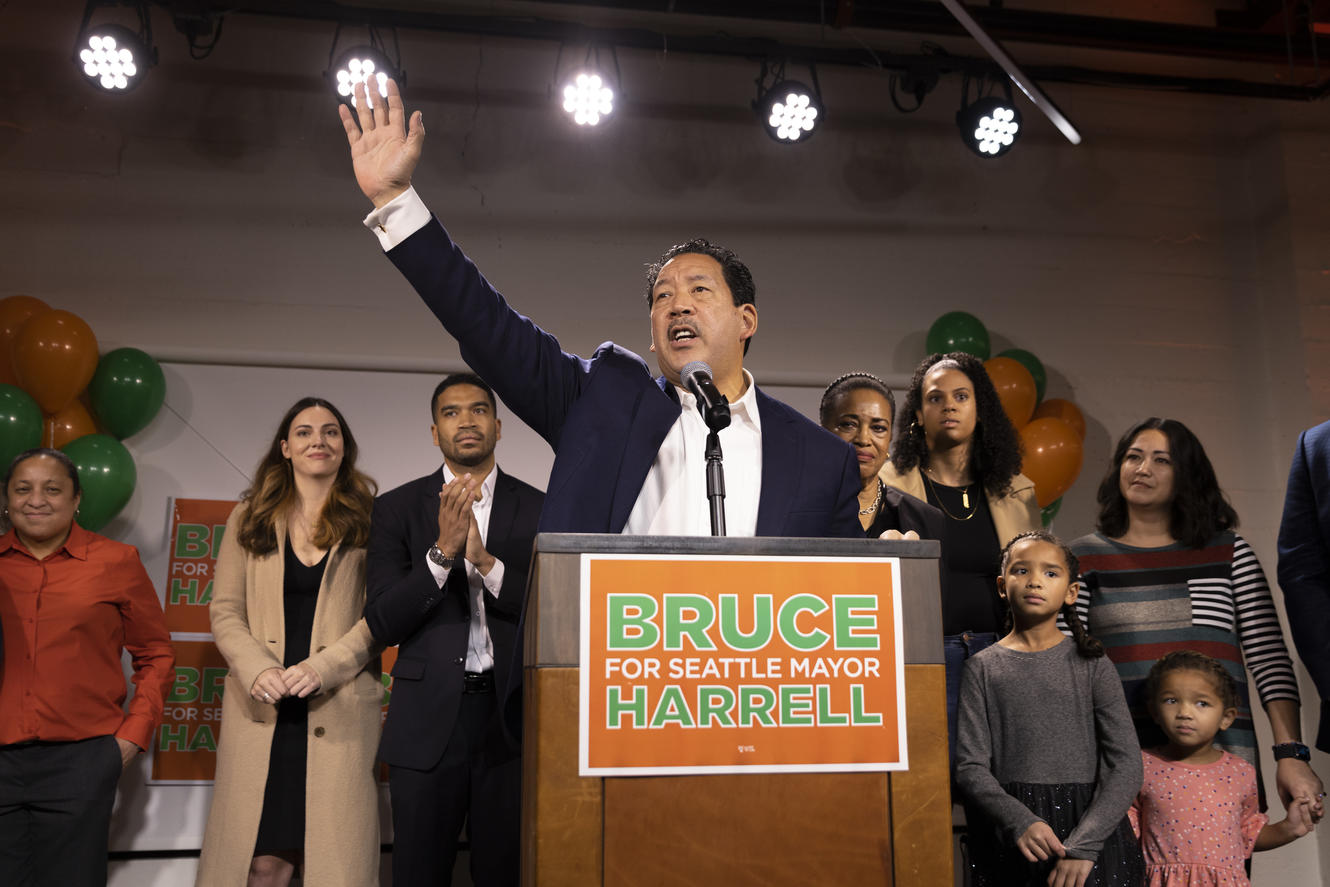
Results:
x,y
20,424
1034,365
107,475
1050,511
126,391
958,331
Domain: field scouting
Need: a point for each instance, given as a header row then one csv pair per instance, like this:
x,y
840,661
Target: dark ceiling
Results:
x,y
1258,48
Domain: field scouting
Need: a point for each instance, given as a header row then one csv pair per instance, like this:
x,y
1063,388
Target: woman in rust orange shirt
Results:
x,y
70,602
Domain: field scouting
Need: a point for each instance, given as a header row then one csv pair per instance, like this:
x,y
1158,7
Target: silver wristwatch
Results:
x,y
443,560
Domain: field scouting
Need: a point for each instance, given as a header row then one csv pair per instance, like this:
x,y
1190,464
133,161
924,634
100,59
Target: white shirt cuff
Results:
x,y
439,573
494,581
398,219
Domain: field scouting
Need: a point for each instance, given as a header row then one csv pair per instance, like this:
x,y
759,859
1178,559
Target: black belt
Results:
x,y
478,682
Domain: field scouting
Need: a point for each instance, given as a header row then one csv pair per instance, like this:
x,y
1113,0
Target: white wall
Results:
x,y
1175,264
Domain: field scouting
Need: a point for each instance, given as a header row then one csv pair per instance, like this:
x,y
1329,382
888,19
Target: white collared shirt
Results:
x,y
479,646
673,501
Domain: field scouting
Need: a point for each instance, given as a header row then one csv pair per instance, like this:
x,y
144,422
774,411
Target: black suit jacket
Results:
x,y
430,625
1304,562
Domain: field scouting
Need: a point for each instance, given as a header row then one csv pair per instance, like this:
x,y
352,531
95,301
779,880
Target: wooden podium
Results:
x,y
729,829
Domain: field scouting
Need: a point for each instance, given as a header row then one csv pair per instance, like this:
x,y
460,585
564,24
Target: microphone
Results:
x,y
713,406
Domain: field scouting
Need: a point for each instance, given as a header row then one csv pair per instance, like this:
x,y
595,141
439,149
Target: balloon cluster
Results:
x,y
55,392
1052,431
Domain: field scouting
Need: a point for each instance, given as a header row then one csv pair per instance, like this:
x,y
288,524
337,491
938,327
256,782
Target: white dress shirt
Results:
x,y
673,500
479,647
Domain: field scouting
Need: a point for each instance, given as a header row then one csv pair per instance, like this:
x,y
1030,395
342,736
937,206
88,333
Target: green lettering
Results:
x,y
629,625
796,712
203,739
855,628
183,591
214,684
172,737
755,704
694,626
191,540
714,704
186,686
734,637
859,717
824,715
672,709
616,707
789,618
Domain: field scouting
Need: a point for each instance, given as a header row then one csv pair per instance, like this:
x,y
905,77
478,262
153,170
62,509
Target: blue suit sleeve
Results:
x,y
1304,566
522,362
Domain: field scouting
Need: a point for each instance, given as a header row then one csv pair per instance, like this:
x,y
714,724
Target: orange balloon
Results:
x,y
55,355
1057,408
71,423
1051,455
1015,388
14,312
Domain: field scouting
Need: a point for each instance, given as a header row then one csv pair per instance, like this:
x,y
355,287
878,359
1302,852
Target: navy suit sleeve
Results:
x,y
1304,563
522,363
401,590
845,521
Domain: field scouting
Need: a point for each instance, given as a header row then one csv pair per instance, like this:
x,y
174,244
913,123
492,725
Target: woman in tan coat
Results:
x,y
295,783
958,451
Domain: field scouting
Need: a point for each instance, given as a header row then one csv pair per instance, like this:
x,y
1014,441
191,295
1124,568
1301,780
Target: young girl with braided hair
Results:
x,y
1197,814
1047,758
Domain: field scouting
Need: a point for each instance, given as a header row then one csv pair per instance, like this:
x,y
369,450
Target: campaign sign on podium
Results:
x,y
739,664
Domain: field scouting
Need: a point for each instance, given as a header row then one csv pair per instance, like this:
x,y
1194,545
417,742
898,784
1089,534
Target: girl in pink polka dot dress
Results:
x,y
1197,814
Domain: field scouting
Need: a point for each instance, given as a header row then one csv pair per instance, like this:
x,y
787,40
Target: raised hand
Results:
x,y
384,152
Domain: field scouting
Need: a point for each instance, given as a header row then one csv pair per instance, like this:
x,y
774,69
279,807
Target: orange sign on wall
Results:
x,y
708,664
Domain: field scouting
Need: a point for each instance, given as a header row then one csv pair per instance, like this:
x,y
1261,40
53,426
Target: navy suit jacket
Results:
x,y
606,417
431,625
1304,562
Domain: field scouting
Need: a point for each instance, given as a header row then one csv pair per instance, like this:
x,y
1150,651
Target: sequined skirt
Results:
x,y
995,861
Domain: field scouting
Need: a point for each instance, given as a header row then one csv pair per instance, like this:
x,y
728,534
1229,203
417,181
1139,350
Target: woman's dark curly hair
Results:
x,y
995,450
1189,660
1199,509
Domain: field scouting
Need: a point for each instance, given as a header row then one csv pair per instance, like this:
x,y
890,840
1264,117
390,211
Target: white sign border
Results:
x,y
584,768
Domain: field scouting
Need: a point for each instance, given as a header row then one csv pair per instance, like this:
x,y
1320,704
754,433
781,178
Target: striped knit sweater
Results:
x,y
1145,602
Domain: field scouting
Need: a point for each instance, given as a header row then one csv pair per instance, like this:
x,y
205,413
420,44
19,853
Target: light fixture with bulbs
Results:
x,y
112,57
790,112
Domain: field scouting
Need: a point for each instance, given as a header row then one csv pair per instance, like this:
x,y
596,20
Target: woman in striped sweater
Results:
x,y
1166,572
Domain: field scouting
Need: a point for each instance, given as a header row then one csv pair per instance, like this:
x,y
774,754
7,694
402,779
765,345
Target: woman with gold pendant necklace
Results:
x,y
958,451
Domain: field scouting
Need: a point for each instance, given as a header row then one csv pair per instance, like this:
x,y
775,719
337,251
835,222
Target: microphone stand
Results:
x,y
715,479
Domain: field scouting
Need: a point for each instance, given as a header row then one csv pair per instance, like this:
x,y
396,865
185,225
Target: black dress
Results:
x,y
282,826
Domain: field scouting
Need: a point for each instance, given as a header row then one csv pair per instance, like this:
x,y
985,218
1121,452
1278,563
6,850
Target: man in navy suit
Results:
x,y
446,574
1304,562
628,447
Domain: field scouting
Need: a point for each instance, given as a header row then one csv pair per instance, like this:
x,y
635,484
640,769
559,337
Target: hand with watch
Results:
x,y
1295,777
454,520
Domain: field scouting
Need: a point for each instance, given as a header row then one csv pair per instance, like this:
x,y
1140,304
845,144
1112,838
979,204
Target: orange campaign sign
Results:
x,y
197,527
740,664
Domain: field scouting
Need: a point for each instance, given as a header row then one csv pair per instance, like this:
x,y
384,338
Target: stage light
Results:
x,y
790,112
112,57
363,64
989,126
588,98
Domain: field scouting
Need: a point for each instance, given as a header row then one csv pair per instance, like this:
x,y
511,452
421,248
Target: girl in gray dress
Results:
x,y
1047,758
